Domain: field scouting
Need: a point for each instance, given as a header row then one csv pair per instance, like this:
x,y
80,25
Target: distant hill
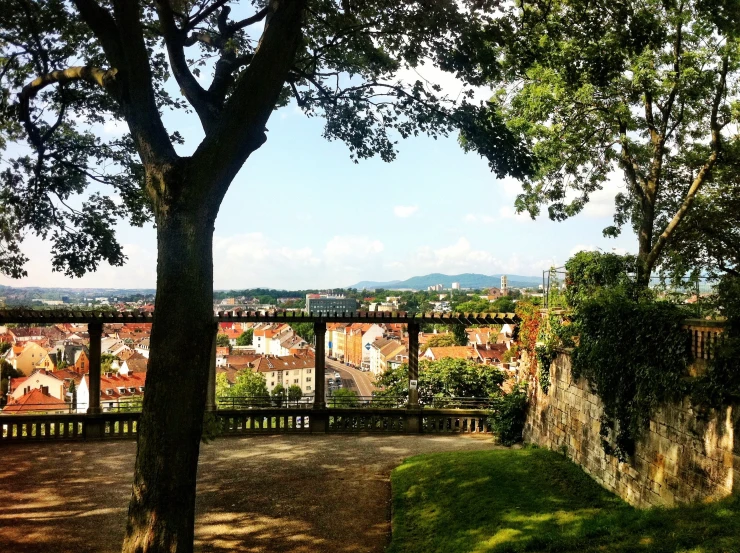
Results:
x,y
466,280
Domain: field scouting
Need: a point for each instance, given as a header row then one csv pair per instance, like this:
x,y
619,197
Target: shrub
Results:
x,y
508,415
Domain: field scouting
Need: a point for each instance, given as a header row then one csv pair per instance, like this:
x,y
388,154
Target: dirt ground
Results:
x,y
255,494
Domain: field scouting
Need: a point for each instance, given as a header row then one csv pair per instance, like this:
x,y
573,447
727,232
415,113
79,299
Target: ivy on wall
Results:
x,y
632,348
634,355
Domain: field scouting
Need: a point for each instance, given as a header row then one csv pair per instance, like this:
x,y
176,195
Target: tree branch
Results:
x,y
203,15
704,172
259,16
677,47
137,90
92,75
191,89
241,128
630,166
104,27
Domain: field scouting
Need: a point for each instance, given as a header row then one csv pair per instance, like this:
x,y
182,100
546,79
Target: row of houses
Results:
x,y
65,391
278,353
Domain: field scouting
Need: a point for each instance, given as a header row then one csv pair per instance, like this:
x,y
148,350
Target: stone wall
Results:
x,y
681,457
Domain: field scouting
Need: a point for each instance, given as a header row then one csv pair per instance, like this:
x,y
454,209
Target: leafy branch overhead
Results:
x,y
67,69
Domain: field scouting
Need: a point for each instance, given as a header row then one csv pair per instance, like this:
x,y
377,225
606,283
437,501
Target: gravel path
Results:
x,y
301,494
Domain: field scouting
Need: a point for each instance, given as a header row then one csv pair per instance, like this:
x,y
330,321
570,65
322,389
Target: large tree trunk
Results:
x,y
645,241
162,508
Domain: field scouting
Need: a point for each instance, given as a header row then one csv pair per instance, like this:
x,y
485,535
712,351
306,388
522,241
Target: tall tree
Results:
x,y
645,87
67,67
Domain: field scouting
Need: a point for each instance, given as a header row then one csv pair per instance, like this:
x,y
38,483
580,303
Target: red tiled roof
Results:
x,y
284,363
35,400
455,352
15,383
109,386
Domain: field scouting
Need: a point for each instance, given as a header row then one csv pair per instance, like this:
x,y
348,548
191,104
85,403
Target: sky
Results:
x,y
301,214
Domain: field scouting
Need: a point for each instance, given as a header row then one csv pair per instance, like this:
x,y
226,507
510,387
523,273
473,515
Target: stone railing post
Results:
x,y
319,418
413,417
94,425
95,331
211,386
413,329
319,396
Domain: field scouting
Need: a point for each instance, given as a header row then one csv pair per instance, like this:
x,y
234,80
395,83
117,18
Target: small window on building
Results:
x,y
308,371
272,383
132,390
122,390
109,391
296,381
308,379
141,389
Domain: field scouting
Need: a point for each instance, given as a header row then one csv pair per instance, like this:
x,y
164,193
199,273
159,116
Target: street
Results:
x,y
352,379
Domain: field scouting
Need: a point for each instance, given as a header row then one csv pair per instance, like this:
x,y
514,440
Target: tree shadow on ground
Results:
x,y
262,493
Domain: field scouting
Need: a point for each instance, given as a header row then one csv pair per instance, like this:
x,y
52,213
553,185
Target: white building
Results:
x,y
276,339
143,347
455,285
288,370
115,391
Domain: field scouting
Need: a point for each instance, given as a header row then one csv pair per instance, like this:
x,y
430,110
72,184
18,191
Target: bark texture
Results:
x,y
162,509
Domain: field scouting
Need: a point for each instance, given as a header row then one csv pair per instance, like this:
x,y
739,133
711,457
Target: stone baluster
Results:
x,y
211,387
95,331
319,396
413,330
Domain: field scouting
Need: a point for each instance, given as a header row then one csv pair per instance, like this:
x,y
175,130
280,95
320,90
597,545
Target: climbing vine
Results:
x,y
553,336
530,319
632,348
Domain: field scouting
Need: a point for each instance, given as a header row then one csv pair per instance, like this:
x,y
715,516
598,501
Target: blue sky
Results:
x,y
301,214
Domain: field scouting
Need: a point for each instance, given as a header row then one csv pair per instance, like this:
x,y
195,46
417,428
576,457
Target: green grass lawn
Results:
x,y
536,500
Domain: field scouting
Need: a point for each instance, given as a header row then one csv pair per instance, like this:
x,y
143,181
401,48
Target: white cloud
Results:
x,y
342,248
429,74
509,213
460,255
592,248
582,248
601,203
472,218
510,186
115,127
138,272
463,257
404,211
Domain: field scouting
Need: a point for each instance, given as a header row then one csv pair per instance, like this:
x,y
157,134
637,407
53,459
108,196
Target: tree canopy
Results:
x,y
245,338
441,341
248,384
641,91
67,68
446,377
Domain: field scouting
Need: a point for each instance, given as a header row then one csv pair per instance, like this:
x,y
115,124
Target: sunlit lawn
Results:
x,y
536,500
